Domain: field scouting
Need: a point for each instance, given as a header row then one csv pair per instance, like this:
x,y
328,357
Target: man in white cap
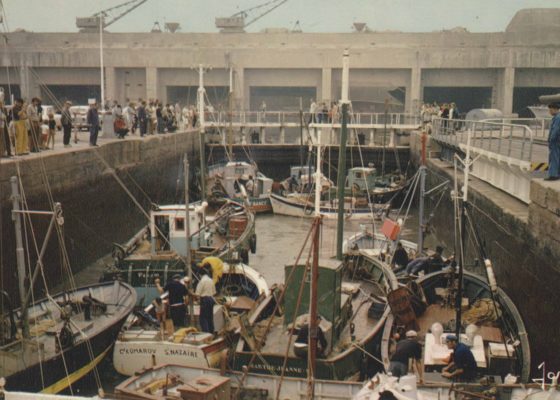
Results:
x,y
407,349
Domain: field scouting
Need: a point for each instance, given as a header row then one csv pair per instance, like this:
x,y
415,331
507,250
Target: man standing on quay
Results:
x,y
93,122
554,143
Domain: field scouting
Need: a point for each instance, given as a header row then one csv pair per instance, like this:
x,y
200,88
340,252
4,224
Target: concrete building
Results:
x,y
505,70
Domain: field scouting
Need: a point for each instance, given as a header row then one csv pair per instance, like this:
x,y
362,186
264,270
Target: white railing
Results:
x,y
539,126
283,118
507,139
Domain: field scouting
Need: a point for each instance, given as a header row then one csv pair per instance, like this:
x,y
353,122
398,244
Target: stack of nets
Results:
x,y
482,311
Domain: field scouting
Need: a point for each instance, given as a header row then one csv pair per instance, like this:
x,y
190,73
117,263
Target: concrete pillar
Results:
x,y
326,85
371,137
24,83
151,83
111,83
413,97
240,93
503,91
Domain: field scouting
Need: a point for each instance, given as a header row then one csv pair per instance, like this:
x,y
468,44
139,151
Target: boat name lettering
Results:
x,y
278,368
181,352
137,351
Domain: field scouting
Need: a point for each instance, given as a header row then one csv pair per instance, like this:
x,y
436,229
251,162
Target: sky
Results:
x,y
313,15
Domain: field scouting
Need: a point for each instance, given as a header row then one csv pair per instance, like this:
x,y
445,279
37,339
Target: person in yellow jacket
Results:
x,y
19,116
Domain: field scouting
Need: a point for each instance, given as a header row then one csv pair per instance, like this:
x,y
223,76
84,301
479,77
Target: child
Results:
x,y
52,130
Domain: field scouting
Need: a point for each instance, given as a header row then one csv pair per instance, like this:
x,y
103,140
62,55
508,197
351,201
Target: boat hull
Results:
x,y
131,357
68,367
286,206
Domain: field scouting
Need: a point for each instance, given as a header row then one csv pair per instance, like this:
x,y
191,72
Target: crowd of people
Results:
x,y
449,112
146,118
324,113
26,127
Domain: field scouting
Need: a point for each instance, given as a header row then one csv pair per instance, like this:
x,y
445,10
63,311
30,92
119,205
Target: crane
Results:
x,y
91,24
237,22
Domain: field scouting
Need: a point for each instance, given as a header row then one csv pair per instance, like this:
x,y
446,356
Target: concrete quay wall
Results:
x,y
97,211
521,241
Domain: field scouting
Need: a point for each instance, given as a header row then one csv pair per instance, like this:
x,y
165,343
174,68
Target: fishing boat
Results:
x,y
145,343
48,345
353,309
494,329
475,309
236,180
303,204
407,388
159,249
173,381
302,180
379,189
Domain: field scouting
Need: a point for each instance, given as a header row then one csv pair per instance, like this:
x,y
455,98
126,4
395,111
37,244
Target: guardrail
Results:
x,y
506,139
539,126
293,117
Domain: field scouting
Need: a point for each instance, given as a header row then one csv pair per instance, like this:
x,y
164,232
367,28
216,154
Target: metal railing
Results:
x,y
506,139
293,117
539,126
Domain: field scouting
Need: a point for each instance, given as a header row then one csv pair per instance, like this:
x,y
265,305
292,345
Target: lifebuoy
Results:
x,y
253,243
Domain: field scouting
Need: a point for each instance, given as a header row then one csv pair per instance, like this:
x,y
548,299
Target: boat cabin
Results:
x,y
168,231
234,174
333,305
299,171
362,178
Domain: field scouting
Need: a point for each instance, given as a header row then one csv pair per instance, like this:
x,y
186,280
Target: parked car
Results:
x,y
79,116
57,116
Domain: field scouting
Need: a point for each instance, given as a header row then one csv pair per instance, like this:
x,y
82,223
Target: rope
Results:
x,y
296,312
275,311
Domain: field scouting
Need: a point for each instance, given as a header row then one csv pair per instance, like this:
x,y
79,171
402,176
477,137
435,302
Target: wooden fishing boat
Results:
x,y
407,388
48,345
237,180
173,381
493,322
302,205
69,335
144,343
353,315
159,249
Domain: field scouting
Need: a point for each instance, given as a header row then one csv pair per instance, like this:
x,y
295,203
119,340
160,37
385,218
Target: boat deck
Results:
x,y
45,323
279,335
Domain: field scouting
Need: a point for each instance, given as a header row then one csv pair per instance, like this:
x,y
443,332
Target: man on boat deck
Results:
x,y
426,264
177,297
407,349
400,258
303,339
462,365
205,290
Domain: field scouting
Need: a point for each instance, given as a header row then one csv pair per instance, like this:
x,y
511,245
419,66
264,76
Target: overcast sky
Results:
x,y
313,15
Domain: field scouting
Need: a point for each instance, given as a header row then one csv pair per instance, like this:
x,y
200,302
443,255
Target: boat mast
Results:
x,y
342,153
188,255
230,128
102,66
459,300
318,176
301,132
386,116
312,353
422,171
20,256
200,103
